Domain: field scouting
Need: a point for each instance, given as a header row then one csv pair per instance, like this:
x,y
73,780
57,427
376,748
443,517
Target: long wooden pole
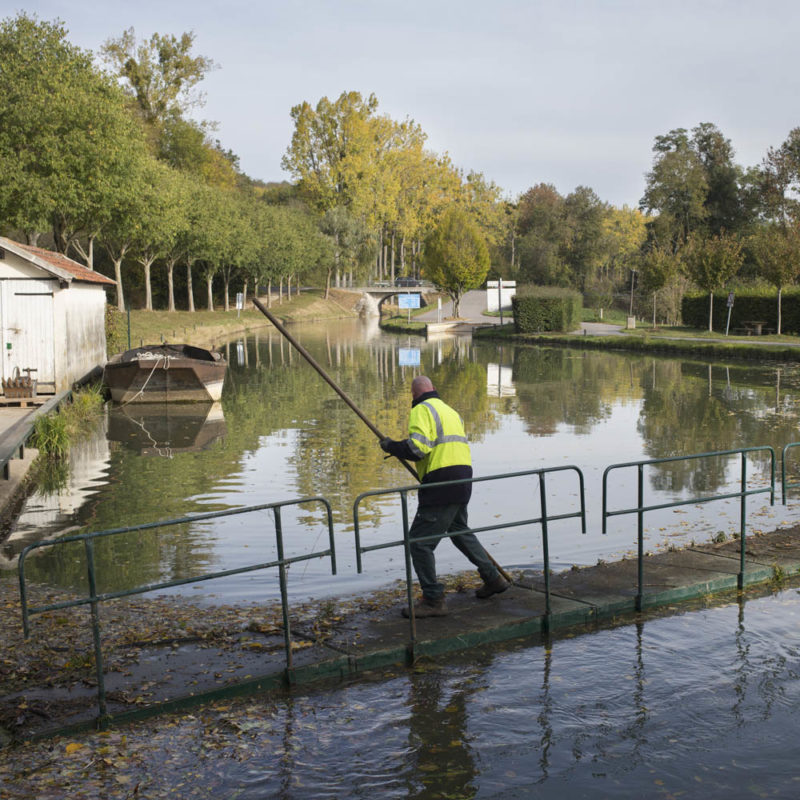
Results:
x,y
327,378
324,375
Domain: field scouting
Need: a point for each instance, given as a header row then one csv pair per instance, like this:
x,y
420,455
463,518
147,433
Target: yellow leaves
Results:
x,y
72,747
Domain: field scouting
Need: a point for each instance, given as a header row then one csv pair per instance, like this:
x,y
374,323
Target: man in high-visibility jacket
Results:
x,y
437,443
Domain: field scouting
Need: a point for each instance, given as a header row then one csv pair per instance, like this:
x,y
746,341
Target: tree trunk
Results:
x,y
118,278
392,245
227,286
244,293
87,254
780,292
60,236
189,290
209,281
269,293
148,284
171,284
710,311
289,287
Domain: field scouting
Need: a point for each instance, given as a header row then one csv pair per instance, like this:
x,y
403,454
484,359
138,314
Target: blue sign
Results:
x,y
408,300
408,357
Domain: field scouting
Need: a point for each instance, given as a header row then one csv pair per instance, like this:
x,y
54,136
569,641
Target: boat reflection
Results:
x,y
164,429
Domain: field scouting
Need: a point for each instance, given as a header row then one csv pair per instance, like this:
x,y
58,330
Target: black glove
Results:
x,y
386,444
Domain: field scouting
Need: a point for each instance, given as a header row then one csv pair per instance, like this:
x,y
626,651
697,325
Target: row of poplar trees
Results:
x,y
101,159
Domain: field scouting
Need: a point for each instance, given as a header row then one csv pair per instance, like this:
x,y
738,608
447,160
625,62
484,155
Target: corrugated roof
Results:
x,y
55,263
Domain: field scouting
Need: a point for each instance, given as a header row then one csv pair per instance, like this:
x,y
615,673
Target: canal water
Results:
x,y
701,704
280,433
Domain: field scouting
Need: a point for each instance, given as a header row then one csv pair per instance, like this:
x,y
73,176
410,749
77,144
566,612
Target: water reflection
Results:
x,y
441,760
698,704
165,429
285,434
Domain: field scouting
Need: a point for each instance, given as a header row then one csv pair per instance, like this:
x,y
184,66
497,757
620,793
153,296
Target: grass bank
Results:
x,y
662,342
207,328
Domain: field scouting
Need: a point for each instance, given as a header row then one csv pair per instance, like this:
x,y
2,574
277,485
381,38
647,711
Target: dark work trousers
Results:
x,y
433,520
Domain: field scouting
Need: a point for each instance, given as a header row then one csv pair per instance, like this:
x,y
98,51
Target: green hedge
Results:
x,y
538,309
749,304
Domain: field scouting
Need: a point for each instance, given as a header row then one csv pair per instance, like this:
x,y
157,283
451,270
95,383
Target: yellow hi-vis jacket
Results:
x,y
437,438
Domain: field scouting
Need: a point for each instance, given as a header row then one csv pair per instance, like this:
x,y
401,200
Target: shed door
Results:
x,y
27,327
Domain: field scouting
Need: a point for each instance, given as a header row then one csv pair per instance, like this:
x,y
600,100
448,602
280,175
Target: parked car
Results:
x,y
406,280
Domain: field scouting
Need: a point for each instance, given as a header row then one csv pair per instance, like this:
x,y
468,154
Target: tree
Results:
x,y
67,145
456,256
158,220
159,74
776,251
543,232
677,189
585,251
659,266
710,262
779,182
332,149
120,231
185,145
723,203
350,242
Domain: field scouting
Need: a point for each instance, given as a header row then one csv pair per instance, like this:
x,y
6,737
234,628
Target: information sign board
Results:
x,y
408,356
408,300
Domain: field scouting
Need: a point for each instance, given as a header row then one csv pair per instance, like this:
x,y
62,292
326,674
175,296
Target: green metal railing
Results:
x,y
640,507
94,598
542,520
784,483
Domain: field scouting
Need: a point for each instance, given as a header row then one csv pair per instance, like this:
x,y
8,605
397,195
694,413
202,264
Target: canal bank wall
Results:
x,y
164,655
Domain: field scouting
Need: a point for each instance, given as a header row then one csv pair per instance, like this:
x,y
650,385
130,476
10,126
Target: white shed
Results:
x,y
52,316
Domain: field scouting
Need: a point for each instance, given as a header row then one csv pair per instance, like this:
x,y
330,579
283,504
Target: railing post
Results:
x,y
545,551
742,520
409,579
98,651
331,541
640,528
287,636
357,535
783,474
582,491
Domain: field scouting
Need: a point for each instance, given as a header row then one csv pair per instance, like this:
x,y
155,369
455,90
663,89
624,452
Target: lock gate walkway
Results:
x,y
172,675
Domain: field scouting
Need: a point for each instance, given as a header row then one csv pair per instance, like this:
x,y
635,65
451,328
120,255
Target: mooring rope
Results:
x,y
145,357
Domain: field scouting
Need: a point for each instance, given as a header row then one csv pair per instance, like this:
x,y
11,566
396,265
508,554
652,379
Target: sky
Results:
x,y
566,92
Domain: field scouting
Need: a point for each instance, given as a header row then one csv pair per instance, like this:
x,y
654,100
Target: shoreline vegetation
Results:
x,y
209,328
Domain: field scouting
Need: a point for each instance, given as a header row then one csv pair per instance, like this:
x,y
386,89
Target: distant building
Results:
x,y
52,316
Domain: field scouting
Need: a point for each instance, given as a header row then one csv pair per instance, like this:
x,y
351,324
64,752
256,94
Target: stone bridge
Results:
x,y
378,295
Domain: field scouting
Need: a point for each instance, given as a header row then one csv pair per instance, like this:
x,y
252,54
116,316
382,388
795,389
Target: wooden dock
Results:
x,y
23,402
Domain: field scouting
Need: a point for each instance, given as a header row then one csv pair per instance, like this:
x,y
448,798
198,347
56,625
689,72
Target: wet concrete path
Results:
x,y
337,643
